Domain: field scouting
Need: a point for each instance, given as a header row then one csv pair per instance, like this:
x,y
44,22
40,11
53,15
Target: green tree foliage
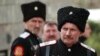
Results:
x,y
94,39
95,27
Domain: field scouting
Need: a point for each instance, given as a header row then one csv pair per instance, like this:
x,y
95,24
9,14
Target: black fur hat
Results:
x,y
77,16
33,9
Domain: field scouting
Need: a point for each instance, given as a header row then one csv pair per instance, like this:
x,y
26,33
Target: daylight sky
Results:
x,y
94,14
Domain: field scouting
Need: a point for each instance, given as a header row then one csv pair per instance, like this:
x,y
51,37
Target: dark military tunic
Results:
x,y
26,41
60,49
82,39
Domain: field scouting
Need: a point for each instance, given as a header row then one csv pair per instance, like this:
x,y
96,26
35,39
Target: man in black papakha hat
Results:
x,y
71,24
34,15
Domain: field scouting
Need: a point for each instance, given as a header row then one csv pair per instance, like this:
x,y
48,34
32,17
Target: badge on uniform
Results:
x,y
19,51
34,47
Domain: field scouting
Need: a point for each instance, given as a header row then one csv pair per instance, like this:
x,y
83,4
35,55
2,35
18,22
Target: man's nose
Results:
x,y
51,33
68,32
37,24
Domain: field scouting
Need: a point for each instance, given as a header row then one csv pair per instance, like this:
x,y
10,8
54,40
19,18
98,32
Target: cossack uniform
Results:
x,y
58,48
27,43
68,16
24,45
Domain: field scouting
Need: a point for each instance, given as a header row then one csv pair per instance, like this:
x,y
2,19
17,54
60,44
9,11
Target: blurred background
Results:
x,y
11,24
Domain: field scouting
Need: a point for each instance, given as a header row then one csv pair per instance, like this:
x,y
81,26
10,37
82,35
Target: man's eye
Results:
x,y
65,29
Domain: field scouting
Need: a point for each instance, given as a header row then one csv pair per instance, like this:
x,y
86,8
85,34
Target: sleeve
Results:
x,y
18,48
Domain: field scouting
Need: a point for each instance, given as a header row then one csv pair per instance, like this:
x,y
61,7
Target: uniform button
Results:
x,y
69,50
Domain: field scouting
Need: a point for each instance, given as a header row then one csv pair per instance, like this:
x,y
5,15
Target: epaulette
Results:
x,y
24,35
48,43
84,45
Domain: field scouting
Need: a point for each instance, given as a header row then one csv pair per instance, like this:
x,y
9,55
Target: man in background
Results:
x,y
86,34
50,31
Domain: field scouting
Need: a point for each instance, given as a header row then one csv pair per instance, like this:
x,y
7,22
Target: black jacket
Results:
x,y
27,41
60,49
82,39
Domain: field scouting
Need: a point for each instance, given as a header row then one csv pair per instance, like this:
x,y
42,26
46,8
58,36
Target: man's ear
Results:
x,y
81,33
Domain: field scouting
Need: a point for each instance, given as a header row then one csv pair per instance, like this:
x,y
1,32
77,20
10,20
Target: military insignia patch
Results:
x,y
19,51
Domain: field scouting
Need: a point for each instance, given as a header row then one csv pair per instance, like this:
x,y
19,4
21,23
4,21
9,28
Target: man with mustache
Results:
x,y
34,14
71,24
50,31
